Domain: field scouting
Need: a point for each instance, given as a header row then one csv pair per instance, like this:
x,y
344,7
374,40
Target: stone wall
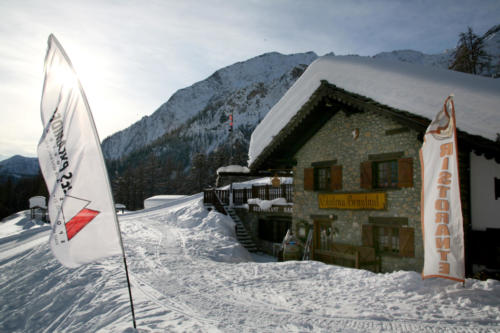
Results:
x,y
334,141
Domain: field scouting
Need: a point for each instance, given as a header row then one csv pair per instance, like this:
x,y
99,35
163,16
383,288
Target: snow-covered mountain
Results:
x,y
18,167
441,60
200,112
198,115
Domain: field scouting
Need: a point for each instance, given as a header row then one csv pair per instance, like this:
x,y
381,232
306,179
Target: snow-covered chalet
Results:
x,y
350,129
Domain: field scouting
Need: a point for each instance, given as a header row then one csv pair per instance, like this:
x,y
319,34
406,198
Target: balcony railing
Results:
x,y
241,196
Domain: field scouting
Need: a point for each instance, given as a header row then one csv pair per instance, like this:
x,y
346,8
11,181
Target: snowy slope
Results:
x,y
190,275
418,89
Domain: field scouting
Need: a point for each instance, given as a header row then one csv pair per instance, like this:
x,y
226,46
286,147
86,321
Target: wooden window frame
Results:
x,y
369,171
322,178
402,242
385,174
333,176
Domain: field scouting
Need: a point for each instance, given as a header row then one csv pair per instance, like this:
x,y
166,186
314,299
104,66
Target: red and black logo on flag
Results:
x,y
76,215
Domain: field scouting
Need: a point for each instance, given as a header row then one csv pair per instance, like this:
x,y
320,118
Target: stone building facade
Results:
x,y
349,141
353,144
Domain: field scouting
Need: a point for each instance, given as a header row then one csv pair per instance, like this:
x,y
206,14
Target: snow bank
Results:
x,y
159,200
206,234
267,204
19,222
258,182
414,88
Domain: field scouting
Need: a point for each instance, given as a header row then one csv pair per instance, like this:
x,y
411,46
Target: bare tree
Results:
x,y
469,56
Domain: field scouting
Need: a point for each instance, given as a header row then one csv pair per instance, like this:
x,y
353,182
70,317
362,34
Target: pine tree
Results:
x,y
199,172
469,56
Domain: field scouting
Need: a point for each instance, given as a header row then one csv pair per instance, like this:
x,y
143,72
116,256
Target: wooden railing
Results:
x,y
273,209
263,192
211,195
241,196
217,201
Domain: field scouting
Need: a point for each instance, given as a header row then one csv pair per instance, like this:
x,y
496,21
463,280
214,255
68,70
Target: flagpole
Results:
x,y
105,172
128,280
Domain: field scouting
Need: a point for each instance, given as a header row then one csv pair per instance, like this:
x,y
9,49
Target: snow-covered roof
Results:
x,y
38,202
233,168
166,197
257,182
413,88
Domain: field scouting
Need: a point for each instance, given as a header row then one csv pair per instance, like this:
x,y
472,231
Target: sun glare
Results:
x,y
63,76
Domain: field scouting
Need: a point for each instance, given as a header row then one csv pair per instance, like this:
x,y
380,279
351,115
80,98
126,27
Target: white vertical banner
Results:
x,y
81,209
441,208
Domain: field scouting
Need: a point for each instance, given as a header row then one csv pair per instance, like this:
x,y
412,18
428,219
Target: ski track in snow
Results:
x,y
189,275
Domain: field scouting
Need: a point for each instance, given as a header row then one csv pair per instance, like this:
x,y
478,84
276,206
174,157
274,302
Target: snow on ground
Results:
x,y
189,274
20,222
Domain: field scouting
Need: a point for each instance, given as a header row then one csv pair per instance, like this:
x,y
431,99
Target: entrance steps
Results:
x,y
241,232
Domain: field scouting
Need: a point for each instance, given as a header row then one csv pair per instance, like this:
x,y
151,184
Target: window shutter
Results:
x,y
309,179
366,175
405,172
336,177
406,242
367,235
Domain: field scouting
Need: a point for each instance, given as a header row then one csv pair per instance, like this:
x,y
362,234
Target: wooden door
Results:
x,y
323,240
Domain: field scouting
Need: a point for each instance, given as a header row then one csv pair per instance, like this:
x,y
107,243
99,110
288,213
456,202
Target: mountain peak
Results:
x,y
204,99
18,166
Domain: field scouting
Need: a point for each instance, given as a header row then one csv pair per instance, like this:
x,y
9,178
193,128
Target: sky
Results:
x,y
132,55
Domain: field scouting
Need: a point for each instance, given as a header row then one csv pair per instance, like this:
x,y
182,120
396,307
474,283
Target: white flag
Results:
x,y
442,222
81,209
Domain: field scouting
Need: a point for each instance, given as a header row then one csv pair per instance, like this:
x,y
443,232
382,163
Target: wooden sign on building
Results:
x,y
354,201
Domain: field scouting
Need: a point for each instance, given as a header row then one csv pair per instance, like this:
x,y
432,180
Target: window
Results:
x,y
322,179
387,239
323,176
385,174
385,171
389,236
